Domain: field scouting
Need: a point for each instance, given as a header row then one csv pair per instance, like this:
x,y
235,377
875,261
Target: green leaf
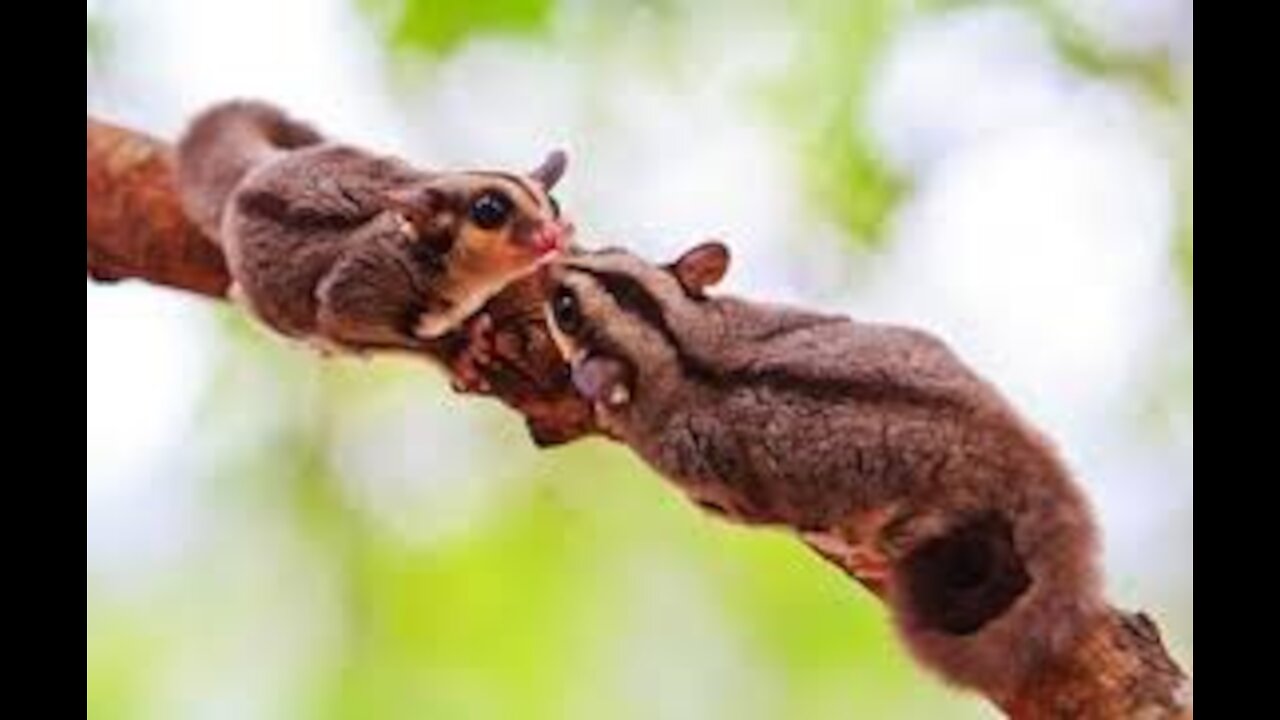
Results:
x,y
438,27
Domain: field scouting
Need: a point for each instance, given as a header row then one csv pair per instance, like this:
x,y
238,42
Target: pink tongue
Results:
x,y
596,377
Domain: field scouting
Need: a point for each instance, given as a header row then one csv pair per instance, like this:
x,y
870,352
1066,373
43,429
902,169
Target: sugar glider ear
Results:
x,y
701,267
551,169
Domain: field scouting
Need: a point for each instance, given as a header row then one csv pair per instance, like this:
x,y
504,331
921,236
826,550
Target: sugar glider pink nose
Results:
x,y
544,240
551,237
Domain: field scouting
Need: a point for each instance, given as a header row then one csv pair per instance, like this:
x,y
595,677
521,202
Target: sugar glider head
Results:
x,y
624,324
476,231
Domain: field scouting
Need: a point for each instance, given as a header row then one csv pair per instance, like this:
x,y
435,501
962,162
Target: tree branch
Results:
x,y
1119,670
137,229
136,226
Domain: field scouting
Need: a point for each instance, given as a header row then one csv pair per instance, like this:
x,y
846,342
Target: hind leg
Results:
x,y
366,301
468,366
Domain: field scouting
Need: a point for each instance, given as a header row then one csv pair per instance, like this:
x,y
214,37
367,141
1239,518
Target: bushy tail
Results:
x,y
222,145
987,603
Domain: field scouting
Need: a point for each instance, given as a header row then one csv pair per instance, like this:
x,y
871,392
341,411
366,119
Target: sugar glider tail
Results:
x,y
222,145
988,603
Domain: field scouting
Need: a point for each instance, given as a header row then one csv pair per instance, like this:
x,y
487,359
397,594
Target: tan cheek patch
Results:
x,y
481,254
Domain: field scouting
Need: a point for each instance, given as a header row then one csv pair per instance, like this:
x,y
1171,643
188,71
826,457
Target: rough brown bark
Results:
x,y
136,226
1120,670
136,229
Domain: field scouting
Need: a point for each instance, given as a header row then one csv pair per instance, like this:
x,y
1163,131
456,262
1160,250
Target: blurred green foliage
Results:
x,y
1154,73
1156,76
1184,179
1082,48
97,38
439,28
124,652
1183,249
821,103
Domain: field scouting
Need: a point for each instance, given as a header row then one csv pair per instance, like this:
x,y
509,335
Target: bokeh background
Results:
x,y
271,535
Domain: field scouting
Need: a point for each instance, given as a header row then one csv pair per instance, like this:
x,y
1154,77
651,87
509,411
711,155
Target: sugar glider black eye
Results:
x,y
555,206
491,210
565,310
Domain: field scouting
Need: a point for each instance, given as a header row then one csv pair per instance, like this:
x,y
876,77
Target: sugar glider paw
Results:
x,y
468,367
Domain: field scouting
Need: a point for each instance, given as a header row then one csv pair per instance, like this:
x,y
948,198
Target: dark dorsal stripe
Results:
x,y
275,208
519,182
634,298
783,329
